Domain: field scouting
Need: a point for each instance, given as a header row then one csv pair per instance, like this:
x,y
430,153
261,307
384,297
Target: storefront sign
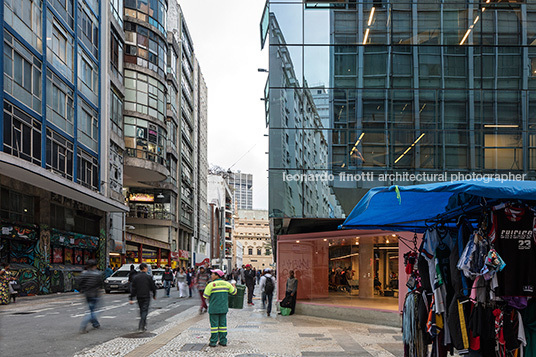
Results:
x,y
141,197
180,255
205,262
146,241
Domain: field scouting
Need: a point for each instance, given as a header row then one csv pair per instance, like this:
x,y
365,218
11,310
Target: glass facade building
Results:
x,y
361,90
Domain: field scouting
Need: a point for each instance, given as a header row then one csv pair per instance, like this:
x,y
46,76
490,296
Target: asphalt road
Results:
x,y
49,326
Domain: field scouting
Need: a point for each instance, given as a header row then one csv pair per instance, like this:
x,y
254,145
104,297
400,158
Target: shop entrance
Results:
x,y
351,269
344,270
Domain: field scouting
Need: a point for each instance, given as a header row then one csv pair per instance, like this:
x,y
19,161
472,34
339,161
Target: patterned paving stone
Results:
x,y
394,348
381,330
192,347
311,334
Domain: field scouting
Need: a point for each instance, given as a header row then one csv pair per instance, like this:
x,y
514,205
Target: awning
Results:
x,y
39,177
412,207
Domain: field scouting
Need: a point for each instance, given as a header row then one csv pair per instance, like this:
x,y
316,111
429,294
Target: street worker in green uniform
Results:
x,y
217,293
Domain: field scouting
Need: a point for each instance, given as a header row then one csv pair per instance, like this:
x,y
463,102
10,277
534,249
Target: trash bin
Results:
x,y
237,301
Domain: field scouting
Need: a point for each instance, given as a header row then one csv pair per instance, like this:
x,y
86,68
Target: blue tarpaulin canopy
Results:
x,y
411,208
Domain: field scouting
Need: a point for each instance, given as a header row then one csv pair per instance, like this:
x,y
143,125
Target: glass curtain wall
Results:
x,y
359,90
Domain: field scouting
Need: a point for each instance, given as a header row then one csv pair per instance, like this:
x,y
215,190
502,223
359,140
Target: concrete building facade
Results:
x,y
252,233
220,202
58,193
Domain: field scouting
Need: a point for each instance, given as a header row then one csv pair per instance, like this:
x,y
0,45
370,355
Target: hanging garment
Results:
x,y
500,343
529,324
511,329
458,319
513,238
474,256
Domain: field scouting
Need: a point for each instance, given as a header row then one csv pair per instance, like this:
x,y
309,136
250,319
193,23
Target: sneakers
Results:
x,y
250,303
268,314
211,345
222,344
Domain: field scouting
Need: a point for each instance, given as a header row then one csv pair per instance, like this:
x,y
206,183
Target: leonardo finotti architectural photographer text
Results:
x,y
404,176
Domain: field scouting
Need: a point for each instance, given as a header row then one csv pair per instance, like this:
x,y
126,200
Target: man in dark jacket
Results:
x,y
90,282
141,288
250,283
167,279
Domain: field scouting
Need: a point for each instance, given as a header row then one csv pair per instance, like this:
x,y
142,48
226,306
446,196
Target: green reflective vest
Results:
x,y
217,292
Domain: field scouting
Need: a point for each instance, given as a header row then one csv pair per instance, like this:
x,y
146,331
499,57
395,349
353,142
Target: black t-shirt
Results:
x,y
513,238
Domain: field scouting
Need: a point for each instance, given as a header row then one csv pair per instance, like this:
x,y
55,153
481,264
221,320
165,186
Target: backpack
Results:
x,y
269,286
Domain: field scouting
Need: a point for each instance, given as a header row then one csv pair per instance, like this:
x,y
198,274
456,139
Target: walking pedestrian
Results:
x,y
292,290
180,279
217,293
189,276
90,283
131,273
141,288
202,279
267,286
167,278
259,274
250,283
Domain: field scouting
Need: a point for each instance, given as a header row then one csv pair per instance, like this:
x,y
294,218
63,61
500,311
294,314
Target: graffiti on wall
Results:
x,y
41,263
102,250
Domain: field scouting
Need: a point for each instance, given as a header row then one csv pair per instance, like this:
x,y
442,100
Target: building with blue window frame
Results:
x,y
55,192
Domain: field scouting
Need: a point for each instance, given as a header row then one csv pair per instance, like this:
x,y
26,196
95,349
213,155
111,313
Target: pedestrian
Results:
x,y
250,283
167,278
141,288
5,277
131,273
258,276
292,290
90,283
189,279
202,279
180,280
108,272
217,292
267,286
14,286
241,273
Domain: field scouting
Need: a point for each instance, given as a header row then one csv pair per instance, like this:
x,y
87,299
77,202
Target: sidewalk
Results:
x,y
252,333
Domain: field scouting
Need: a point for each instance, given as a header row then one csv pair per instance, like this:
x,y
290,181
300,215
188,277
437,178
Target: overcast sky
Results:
x,y
226,40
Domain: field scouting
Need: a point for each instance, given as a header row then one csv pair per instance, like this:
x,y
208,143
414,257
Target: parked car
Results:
x,y
119,280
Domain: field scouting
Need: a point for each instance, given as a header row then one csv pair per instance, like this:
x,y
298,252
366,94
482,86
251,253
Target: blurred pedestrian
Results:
x,y
141,288
131,273
90,283
267,286
189,281
217,292
5,277
292,290
167,278
202,279
250,283
258,274
108,272
180,280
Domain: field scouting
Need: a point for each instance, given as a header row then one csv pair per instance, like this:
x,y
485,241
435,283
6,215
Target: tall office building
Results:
x,y
242,186
57,190
420,87
161,135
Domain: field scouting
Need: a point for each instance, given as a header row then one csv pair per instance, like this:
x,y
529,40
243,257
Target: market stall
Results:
x,y
472,278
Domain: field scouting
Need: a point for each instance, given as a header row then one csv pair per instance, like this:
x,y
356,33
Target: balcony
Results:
x,y
144,166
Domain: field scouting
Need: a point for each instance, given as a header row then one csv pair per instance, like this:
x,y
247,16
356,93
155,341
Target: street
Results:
x,y
49,326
